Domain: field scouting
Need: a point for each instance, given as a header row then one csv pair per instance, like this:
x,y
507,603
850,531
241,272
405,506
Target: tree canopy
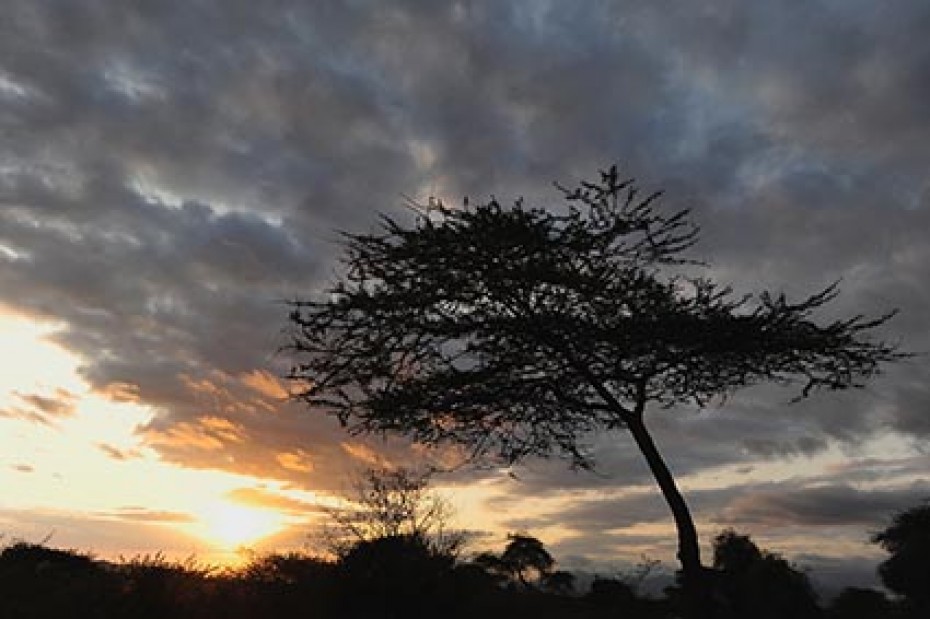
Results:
x,y
525,558
521,331
751,582
393,502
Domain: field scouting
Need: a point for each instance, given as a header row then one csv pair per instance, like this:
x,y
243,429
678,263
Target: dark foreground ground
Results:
x,y
381,579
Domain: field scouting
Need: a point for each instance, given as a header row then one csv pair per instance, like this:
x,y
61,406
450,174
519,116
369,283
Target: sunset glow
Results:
x,y
233,526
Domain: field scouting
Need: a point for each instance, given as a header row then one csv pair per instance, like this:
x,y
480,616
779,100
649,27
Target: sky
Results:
x,y
170,172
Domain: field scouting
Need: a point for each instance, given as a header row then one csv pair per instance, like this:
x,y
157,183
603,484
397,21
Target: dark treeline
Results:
x,y
408,576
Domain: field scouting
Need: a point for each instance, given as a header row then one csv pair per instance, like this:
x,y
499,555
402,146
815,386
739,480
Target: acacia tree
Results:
x,y
393,503
518,331
522,559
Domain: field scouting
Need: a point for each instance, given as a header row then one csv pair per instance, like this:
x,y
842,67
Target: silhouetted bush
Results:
x,y
858,603
287,584
750,582
38,582
907,570
153,587
400,576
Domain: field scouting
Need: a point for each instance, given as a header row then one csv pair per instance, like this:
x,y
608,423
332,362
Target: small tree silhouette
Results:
x,y
907,571
524,559
523,331
756,583
394,576
859,603
393,503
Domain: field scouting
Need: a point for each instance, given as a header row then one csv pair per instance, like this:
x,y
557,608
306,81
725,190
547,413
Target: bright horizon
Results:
x,y
218,517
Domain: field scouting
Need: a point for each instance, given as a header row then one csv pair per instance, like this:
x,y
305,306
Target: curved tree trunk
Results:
x,y
689,552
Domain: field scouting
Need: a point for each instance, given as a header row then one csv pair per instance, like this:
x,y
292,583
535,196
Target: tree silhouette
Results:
x,y
757,583
393,502
907,571
525,558
36,581
859,603
394,576
523,331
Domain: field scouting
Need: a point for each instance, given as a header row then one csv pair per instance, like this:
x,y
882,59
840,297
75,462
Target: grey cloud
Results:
x,y
822,505
171,171
830,575
594,516
601,538
877,469
613,552
588,516
839,78
605,525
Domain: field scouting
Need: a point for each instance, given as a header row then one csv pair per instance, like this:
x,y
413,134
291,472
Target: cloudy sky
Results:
x,y
170,171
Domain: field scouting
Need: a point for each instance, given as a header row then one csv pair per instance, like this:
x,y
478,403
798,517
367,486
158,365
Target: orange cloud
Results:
x,y
121,392
23,414
204,387
364,454
119,454
61,404
223,428
209,433
266,384
298,461
141,514
259,497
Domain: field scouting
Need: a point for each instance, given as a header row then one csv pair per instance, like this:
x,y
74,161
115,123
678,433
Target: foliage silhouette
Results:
x,y
559,582
281,585
859,603
395,576
755,583
43,582
612,597
522,331
523,561
907,570
154,587
393,502
389,577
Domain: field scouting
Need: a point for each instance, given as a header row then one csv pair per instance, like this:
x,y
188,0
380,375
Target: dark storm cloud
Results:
x,y
172,170
822,505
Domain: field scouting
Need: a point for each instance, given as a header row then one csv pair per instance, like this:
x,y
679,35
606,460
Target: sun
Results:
x,y
232,526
